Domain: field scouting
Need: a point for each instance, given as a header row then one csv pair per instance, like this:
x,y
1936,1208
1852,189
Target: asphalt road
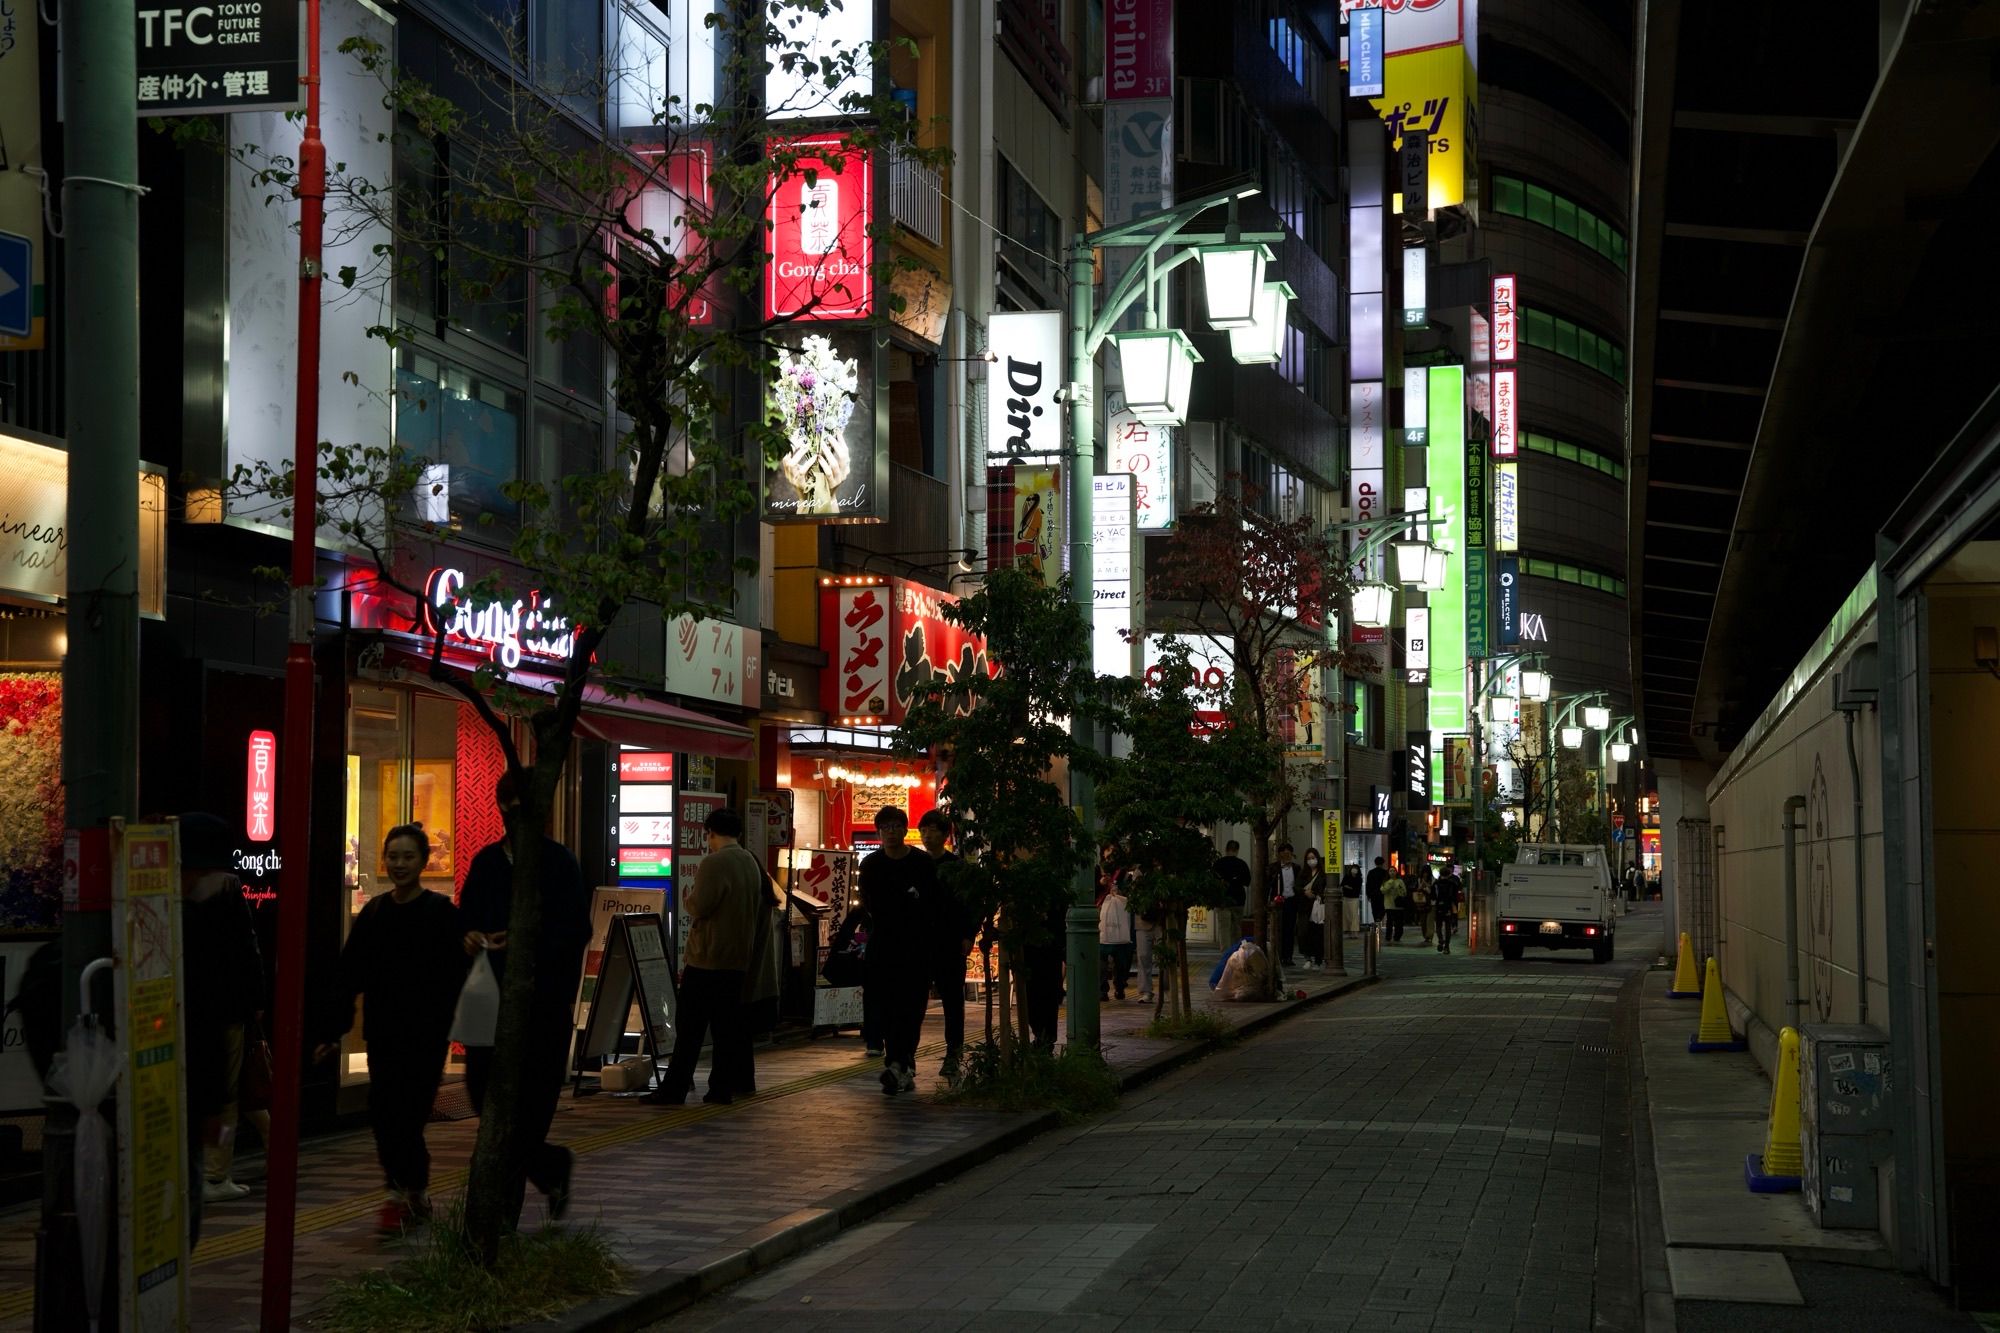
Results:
x,y
1448,1151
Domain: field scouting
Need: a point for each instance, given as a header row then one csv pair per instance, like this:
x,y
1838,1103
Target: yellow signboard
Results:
x,y
1331,851
1038,525
152,1138
1433,91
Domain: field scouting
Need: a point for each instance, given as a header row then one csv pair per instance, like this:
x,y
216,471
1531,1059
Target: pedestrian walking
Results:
x,y
762,980
1042,957
1114,940
1377,904
1234,872
1148,928
953,928
1313,909
1421,885
1350,900
899,887
487,902
1396,892
725,908
1282,888
224,979
1445,900
407,954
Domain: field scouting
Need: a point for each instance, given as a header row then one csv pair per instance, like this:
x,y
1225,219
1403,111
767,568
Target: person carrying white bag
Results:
x,y
406,952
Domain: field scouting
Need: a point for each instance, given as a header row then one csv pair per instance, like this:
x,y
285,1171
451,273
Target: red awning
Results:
x,y
633,720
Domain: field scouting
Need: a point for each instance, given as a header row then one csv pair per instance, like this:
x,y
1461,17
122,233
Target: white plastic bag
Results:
x,y
478,1005
1319,912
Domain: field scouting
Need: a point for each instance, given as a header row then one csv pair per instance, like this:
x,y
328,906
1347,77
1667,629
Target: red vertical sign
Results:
x,y
820,248
260,787
1138,49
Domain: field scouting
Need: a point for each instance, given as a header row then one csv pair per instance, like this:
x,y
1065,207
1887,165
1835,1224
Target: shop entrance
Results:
x,y
1961,619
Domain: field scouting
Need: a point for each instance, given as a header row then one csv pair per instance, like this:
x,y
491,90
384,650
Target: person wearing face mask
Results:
x,y
223,977
407,954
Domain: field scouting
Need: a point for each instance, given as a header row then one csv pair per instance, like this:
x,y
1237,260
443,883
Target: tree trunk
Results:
x,y
1006,984
497,1182
1260,862
1024,1035
986,968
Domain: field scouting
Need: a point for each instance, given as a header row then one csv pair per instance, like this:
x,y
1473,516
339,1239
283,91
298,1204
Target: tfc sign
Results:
x,y
241,55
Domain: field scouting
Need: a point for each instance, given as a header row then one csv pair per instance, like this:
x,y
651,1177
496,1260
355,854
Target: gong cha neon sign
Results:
x,y
508,632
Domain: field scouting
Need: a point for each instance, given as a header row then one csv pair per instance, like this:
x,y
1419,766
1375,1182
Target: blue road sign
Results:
x,y
1618,835
17,285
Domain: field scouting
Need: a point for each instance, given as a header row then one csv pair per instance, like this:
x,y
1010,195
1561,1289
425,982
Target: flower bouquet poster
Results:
x,y
823,398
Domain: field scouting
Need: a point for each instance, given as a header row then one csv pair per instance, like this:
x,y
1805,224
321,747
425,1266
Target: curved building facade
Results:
x,y
1556,100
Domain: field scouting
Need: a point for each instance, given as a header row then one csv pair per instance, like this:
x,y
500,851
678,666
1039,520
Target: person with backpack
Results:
x,y
1115,939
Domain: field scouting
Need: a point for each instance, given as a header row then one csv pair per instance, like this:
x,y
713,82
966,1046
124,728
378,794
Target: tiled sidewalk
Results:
x,y
665,1184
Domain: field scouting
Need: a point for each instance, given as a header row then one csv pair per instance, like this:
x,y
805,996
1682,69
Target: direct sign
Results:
x,y
234,55
17,285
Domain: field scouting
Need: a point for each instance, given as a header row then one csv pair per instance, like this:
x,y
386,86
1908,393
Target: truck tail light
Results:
x,y
1590,930
1507,926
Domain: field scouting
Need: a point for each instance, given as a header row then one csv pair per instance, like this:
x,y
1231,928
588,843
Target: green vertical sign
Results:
x,y
1444,456
1477,638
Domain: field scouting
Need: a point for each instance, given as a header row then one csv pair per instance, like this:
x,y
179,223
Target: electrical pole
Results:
x,y
1081,953
100,211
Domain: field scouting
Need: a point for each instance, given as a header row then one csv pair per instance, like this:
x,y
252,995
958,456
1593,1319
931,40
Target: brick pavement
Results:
x,y
1427,1154
664,1184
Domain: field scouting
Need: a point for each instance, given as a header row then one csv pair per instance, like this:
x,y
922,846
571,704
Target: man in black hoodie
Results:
x,y
952,932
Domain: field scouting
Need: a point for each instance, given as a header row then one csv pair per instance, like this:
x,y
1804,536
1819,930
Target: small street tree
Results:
x,y
1181,778
1259,587
998,742
646,247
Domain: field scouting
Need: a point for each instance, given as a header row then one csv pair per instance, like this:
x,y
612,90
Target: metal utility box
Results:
x,y
1846,1078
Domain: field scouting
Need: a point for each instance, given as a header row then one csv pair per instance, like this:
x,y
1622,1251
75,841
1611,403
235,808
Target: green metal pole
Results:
x,y
1082,933
100,209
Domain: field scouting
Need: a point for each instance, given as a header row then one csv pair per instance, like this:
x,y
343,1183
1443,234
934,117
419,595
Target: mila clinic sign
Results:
x,y
233,55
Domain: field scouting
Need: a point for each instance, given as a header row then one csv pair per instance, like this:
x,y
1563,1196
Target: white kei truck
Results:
x,y
1556,896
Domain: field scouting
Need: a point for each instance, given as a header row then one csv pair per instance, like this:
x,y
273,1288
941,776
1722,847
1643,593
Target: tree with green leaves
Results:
x,y
646,246
1255,585
1181,778
1003,747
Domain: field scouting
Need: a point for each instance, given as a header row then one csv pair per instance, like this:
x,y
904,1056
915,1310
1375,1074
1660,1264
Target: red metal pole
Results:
x,y
288,1020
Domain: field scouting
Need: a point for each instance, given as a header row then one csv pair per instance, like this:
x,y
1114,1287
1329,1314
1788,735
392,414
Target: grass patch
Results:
x,y
1075,1084
441,1287
1200,1025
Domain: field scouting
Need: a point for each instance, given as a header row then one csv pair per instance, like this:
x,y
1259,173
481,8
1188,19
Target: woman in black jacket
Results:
x,y
407,953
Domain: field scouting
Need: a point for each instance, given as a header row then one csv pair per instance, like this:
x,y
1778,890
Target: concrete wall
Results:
x,y
1803,754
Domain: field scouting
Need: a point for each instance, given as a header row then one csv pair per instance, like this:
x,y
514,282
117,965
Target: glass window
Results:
x,y
570,54
565,445
1541,206
1565,216
470,424
1509,196
496,23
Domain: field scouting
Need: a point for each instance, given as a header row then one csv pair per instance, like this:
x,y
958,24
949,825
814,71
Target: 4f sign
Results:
x,y
1506,320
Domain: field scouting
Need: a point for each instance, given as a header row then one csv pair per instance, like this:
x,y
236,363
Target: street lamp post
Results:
x,y
1166,358
1374,534
1494,669
1604,746
1559,724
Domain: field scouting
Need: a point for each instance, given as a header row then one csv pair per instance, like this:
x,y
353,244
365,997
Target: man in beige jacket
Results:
x,y
724,910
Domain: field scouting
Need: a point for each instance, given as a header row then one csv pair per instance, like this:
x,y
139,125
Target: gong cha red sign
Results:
x,y
821,206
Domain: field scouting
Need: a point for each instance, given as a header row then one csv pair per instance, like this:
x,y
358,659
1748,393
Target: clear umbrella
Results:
x,y
84,1077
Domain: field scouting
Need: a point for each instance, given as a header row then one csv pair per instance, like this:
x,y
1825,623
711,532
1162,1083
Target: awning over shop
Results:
x,y
632,720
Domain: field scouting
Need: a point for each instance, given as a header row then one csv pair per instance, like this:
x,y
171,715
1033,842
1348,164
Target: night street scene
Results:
x,y
999,666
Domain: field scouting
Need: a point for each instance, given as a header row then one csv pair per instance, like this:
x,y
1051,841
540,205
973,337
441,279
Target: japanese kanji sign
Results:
x,y
856,682
1427,92
1147,452
240,55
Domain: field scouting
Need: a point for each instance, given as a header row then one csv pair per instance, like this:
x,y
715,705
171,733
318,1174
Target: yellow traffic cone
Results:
x,y
1778,1168
1686,985
1714,1034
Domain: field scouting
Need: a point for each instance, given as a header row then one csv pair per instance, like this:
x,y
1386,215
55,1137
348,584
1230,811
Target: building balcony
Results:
x,y
919,521
916,197
1032,40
